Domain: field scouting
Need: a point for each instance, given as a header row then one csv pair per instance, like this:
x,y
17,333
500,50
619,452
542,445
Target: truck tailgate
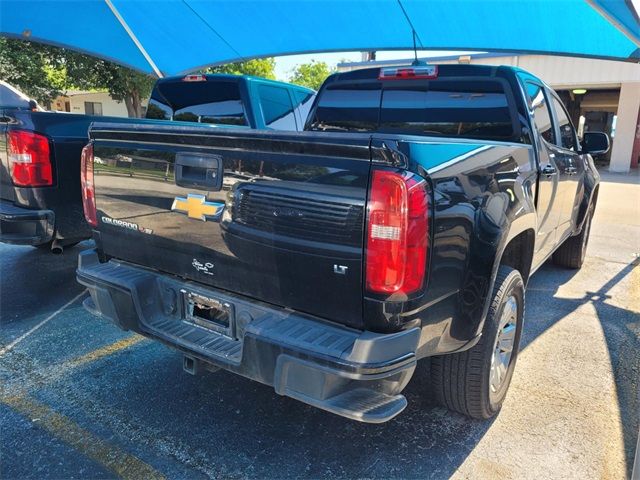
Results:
x,y
275,216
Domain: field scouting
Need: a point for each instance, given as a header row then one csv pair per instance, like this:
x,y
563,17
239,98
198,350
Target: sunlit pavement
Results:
x,y
81,399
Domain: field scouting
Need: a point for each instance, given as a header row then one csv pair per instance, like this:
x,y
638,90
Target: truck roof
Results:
x,y
231,76
446,70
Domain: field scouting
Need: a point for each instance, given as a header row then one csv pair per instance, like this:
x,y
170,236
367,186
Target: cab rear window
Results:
x,y
452,108
216,102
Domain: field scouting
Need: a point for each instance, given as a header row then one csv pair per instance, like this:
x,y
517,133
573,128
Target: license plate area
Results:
x,y
209,313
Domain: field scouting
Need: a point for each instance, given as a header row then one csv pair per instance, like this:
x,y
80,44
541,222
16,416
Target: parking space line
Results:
x,y
124,465
104,351
11,345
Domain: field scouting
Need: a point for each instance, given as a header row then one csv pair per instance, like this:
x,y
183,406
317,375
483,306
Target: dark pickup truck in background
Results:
x,y
40,202
404,223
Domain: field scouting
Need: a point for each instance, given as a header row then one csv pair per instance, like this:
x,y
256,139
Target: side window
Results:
x,y
541,112
567,135
277,108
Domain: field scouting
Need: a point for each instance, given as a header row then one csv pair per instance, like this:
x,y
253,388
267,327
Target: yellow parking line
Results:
x,y
113,458
104,351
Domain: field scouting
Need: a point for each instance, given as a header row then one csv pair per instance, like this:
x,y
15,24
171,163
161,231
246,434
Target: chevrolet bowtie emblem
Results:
x,y
196,206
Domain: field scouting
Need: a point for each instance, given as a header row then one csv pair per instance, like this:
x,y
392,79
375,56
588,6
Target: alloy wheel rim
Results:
x,y
505,342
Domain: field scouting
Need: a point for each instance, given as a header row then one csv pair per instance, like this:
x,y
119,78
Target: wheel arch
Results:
x,y
590,189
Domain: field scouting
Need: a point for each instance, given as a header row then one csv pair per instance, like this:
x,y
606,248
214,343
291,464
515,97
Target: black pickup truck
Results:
x,y
404,223
40,202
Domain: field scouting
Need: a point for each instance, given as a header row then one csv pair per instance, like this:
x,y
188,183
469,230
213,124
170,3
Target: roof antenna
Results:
x,y
415,62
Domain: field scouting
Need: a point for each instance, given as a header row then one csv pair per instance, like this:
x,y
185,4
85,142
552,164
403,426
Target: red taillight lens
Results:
x,y
88,191
29,159
397,233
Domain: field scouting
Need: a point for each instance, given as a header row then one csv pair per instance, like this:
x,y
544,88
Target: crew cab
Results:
x,y
404,223
40,201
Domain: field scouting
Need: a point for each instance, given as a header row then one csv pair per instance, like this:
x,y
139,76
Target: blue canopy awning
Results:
x,y
172,37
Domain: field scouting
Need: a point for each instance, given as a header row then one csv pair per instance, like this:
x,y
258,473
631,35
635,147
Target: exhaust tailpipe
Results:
x,y
56,247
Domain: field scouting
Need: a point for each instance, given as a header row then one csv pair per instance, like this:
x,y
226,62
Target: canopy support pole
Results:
x,y
621,28
134,39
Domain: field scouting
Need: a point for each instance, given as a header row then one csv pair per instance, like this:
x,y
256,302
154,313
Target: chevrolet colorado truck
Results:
x,y
402,224
40,201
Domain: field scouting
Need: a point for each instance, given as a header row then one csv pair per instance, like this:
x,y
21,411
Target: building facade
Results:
x,y
90,103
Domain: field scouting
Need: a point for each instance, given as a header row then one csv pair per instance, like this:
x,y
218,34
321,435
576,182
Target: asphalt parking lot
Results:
x,y
81,399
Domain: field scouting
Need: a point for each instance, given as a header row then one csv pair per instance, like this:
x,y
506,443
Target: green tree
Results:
x,y
122,83
310,74
32,68
44,72
259,67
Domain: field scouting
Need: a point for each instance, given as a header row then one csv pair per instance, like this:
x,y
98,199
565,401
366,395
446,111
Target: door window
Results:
x,y
277,109
567,135
541,112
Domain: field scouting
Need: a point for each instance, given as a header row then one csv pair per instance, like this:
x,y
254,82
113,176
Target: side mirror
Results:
x,y
33,106
595,143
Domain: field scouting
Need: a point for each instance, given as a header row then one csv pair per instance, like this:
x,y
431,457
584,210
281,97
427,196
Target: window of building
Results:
x,y
277,109
93,108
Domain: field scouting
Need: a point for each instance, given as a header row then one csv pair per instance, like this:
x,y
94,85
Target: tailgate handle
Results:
x,y
199,171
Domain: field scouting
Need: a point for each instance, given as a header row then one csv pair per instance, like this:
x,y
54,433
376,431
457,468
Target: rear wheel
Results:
x,y
475,382
572,252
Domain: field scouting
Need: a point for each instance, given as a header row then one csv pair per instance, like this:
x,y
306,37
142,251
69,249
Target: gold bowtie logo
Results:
x,y
196,206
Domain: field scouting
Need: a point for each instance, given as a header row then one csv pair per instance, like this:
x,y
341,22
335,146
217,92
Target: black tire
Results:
x,y
463,381
572,252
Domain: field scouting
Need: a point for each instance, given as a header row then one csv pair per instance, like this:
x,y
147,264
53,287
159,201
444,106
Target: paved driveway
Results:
x,y
80,399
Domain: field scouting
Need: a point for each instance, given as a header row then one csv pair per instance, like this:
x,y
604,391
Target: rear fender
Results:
x,y
483,197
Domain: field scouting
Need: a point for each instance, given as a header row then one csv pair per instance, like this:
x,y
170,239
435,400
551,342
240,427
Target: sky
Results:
x,y
284,65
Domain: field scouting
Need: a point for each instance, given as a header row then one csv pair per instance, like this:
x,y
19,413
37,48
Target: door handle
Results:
x,y
571,170
549,170
199,171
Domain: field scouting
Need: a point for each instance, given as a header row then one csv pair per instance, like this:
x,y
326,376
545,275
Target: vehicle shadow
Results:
x,y
621,332
36,282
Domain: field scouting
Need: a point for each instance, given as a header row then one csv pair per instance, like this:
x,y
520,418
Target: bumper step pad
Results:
x,y
364,405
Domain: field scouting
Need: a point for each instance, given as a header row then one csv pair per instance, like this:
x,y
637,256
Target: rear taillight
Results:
x,y
88,191
29,159
397,233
